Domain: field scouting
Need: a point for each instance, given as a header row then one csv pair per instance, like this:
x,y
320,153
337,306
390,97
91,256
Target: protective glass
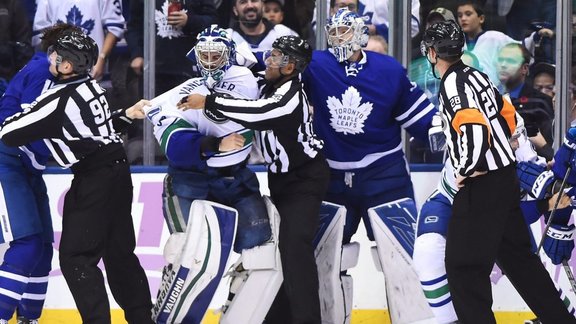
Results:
x,y
275,59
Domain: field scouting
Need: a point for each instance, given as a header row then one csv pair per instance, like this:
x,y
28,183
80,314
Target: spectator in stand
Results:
x,y
251,28
377,13
544,78
274,11
378,44
15,35
535,108
177,24
486,44
102,20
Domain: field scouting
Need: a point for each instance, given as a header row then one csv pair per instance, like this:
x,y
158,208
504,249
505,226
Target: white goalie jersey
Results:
x,y
170,122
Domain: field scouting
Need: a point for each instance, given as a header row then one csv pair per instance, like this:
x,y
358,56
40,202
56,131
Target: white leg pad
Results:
x,y
406,301
254,288
190,281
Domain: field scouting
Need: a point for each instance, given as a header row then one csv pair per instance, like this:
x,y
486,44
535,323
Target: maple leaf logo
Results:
x,y
164,29
75,17
348,115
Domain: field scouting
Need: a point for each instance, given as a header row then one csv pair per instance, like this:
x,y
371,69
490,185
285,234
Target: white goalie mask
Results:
x,y
346,33
213,53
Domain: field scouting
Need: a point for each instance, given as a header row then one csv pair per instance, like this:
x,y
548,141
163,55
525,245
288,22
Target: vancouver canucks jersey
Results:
x,y
179,133
360,108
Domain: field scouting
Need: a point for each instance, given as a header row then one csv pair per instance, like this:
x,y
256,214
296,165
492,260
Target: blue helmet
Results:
x,y
214,54
346,33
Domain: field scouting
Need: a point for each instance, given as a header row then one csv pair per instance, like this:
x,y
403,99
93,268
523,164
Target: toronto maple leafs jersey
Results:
x,y
265,43
22,91
376,13
360,108
180,133
94,17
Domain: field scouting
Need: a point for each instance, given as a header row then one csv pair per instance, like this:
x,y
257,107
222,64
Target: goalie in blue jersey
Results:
x,y
362,101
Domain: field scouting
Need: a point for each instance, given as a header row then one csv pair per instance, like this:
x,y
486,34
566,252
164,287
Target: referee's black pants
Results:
x,y
487,226
298,196
97,224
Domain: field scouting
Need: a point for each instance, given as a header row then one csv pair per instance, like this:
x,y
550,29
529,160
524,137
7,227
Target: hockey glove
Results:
x,y
565,158
532,179
559,243
436,135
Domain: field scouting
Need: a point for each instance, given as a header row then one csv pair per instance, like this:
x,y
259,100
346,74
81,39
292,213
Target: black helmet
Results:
x,y
78,49
296,48
446,37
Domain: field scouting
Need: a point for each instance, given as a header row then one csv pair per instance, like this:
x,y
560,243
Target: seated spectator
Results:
x,y
486,44
378,44
535,108
544,78
274,11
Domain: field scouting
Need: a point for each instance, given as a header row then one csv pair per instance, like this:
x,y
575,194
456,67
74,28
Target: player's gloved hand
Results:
x,y
565,157
559,242
436,135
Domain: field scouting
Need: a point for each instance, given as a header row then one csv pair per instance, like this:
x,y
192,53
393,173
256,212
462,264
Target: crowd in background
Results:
x,y
117,27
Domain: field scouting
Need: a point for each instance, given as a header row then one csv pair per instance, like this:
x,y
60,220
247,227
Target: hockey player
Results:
x,y
486,223
29,225
361,126
74,119
297,171
207,158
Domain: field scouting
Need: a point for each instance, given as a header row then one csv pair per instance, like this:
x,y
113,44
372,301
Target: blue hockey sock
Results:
x,y
32,301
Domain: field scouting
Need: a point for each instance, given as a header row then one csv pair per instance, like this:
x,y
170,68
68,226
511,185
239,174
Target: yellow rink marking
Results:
x,y
363,316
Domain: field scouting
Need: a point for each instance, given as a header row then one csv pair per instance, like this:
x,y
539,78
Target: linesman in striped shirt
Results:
x,y
75,121
298,173
487,224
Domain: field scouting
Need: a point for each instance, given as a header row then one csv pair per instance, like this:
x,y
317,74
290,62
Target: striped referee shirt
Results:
x,y
73,118
478,121
282,117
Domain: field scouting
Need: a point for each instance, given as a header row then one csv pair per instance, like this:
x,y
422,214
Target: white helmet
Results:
x,y
346,33
214,54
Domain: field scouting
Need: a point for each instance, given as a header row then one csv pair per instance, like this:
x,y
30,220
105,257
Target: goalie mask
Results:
x,y
214,53
346,33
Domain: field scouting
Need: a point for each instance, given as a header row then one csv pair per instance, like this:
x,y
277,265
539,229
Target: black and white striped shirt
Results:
x,y
283,119
73,118
478,121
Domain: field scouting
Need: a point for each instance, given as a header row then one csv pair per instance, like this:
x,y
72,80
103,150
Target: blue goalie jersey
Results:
x,y
361,107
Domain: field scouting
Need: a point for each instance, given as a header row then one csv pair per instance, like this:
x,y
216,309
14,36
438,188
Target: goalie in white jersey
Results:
x,y
207,161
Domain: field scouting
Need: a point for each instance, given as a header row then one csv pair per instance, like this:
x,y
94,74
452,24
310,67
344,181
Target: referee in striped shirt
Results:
x,y
487,225
75,120
298,173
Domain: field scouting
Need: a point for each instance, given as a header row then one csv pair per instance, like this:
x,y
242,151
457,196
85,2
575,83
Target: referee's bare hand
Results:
x,y
137,111
193,101
231,142
460,179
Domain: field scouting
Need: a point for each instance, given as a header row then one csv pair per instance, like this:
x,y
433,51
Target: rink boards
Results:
x,y
369,298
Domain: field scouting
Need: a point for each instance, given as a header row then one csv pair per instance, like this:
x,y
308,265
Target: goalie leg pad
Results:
x,y
255,284
189,284
334,305
394,226
429,251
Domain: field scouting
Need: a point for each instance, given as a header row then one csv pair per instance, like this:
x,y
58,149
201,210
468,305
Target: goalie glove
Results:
x,y
436,135
559,242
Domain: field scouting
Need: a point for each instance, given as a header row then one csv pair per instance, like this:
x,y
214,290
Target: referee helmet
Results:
x,y
77,48
446,37
296,49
